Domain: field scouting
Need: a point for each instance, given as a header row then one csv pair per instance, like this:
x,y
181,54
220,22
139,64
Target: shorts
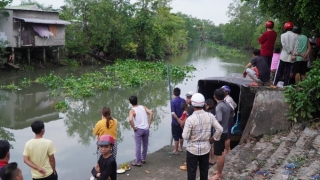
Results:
x,y
300,67
218,146
176,132
230,125
51,177
253,74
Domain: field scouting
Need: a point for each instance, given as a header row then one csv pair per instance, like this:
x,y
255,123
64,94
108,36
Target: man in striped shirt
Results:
x,y
197,132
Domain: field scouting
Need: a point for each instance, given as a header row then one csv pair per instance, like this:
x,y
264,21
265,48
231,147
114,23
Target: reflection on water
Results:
x,y
71,132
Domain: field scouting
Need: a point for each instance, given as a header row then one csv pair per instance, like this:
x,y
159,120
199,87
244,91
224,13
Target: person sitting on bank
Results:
x,y
263,70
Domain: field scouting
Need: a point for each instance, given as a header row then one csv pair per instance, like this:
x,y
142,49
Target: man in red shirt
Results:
x,y
267,40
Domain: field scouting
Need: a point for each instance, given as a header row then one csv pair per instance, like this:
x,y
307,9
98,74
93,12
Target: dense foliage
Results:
x,y
304,99
303,12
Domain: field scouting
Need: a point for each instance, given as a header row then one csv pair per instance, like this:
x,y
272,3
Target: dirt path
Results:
x,y
161,166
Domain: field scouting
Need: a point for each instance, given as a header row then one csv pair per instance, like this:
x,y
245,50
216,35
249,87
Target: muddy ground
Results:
x,y
159,166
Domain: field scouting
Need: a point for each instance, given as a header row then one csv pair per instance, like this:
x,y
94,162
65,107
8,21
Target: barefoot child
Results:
x,y
106,168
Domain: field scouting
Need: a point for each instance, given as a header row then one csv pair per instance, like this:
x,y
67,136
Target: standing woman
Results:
x,y
107,125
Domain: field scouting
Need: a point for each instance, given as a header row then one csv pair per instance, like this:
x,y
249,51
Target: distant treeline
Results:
x,y
148,29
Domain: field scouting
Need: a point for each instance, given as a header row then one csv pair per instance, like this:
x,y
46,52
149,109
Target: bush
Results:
x,y
304,99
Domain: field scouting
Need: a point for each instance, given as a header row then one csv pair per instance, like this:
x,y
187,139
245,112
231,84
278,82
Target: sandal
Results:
x,y
173,153
211,164
143,161
273,86
183,168
180,150
253,84
135,164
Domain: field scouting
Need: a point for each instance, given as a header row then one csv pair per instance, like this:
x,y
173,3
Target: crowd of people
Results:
x,y
207,129
290,64
205,123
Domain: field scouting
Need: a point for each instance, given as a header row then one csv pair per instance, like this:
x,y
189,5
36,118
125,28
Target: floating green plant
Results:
x,y
226,51
62,106
123,73
10,87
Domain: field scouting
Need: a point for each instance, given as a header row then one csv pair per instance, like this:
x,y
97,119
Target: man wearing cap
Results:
x,y
188,100
233,105
4,153
197,131
223,112
176,123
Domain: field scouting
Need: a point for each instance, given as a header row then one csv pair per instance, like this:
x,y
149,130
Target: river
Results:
x,y
71,132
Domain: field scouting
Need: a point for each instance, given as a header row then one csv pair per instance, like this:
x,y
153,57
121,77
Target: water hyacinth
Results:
x,y
123,73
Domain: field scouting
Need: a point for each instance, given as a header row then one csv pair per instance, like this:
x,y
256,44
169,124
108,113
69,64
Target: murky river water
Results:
x,y
71,132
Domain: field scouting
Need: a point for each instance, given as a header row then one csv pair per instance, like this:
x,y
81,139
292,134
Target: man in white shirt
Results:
x,y
197,132
287,56
138,120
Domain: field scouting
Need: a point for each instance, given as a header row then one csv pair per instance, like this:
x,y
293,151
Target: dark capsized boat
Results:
x,y
240,92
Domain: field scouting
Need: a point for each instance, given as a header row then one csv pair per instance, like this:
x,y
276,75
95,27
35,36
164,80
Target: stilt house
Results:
x,y
28,27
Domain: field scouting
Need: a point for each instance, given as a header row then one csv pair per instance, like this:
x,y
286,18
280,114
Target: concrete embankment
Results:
x,y
291,155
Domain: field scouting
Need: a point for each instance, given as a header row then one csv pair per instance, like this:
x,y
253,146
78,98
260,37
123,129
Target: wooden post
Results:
x,y
58,56
29,56
44,55
12,55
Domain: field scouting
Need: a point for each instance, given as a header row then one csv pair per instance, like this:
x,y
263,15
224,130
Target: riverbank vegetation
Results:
x,y
148,29
304,99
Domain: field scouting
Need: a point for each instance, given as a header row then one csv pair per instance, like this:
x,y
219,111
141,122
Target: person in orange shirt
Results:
x,y
107,125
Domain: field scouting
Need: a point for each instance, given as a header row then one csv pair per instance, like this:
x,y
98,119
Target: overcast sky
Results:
x,y
215,10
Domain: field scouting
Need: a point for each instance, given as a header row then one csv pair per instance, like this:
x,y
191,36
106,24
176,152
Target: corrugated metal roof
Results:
x,y
24,7
43,21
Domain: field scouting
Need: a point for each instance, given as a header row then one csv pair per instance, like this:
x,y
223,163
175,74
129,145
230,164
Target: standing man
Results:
x,y
303,47
267,40
223,112
4,153
176,123
38,153
11,172
287,56
227,90
197,131
138,120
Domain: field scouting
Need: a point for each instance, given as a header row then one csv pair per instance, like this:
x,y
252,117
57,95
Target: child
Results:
x,y
106,168
275,62
184,114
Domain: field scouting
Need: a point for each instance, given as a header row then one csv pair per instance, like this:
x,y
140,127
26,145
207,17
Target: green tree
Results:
x,y
40,6
302,12
245,18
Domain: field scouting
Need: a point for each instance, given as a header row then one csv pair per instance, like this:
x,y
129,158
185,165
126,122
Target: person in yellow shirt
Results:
x,y
107,125
38,153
